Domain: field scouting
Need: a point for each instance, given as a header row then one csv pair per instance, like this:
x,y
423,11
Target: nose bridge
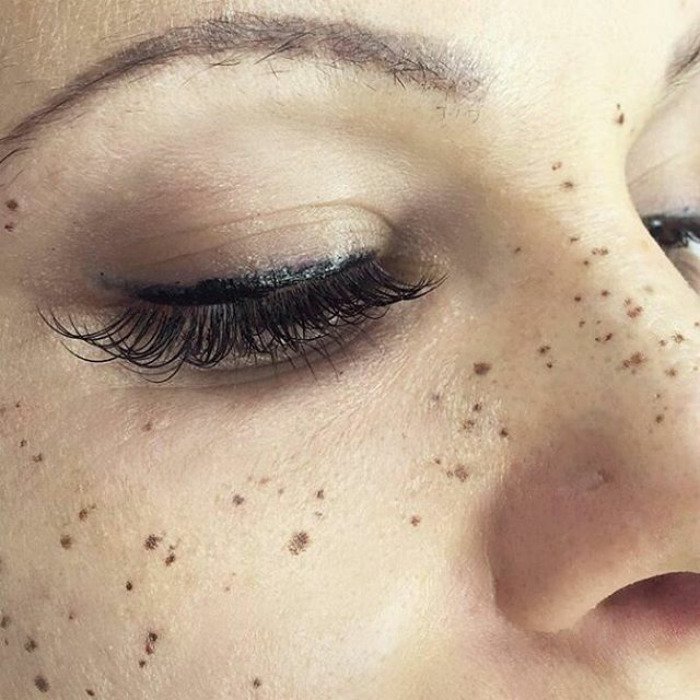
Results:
x,y
608,491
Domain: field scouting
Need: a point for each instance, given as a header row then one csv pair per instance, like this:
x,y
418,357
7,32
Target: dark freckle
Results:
x,y
550,365
581,323
9,227
679,338
476,407
298,543
320,493
256,682
237,499
671,372
42,684
578,297
22,443
557,165
620,118
437,460
147,427
544,349
71,616
12,205
18,404
151,640
574,239
482,368
461,472
84,512
663,343
635,360
503,432
659,418
467,424
415,519
605,293
169,559
599,251
5,621
435,397
66,541
567,185
142,663
586,262
38,458
152,541
635,311
517,250
129,585
30,645
91,693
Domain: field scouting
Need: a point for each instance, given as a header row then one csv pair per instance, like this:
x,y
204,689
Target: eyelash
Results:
x,y
672,231
284,322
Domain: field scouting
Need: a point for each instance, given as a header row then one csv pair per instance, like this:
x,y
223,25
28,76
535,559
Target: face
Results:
x,y
400,303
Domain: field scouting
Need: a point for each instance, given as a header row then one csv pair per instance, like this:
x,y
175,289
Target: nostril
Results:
x,y
654,613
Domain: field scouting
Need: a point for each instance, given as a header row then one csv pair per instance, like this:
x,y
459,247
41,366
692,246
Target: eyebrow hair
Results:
x,y
408,60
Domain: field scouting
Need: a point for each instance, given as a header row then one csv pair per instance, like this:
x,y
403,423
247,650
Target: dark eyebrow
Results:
x,y
408,60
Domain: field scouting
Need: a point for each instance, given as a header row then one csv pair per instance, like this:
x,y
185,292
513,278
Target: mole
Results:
x,y
298,543
42,684
12,204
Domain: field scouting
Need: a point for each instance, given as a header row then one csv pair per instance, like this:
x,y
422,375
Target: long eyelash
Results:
x,y
285,322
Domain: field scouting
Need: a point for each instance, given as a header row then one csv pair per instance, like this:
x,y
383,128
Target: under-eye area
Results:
x,y
259,318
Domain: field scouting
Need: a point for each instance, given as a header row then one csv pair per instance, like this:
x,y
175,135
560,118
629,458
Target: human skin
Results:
x,y
472,477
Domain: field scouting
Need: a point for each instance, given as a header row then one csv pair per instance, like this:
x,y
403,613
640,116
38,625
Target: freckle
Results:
x,y
608,337
550,365
237,499
437,460
142,663
30,645
12,204
671,372
9,227
517,250
66,541
599,251
152,541
129,586
605,293
320,493
482,368
574,239
298,543
663,343
42,684
18,404
544,349
415,519
435,397
586,262
468,424
634,312
557,165
84,512
635,360
151,640
256,682
697,324
648,288
71,616
621,118
169,559
476,407
503,432
5,621
567,185
264,480
22,443
38,458
280,491
578,297
318,513
659,418
679,338
581,323
91,693
461,472
449,473
147,427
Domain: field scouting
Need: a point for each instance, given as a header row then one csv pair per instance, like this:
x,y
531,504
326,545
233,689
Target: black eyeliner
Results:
x,y
255,285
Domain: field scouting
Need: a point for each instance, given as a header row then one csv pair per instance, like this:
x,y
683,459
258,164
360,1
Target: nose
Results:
x,y
606,493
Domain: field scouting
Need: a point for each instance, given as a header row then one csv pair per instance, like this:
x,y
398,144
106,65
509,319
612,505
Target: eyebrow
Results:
x,y
408,60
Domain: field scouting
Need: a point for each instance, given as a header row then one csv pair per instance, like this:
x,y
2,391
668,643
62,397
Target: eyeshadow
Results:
x,y
255,285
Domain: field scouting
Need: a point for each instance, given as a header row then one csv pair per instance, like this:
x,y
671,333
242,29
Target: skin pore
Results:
x,y
437,507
